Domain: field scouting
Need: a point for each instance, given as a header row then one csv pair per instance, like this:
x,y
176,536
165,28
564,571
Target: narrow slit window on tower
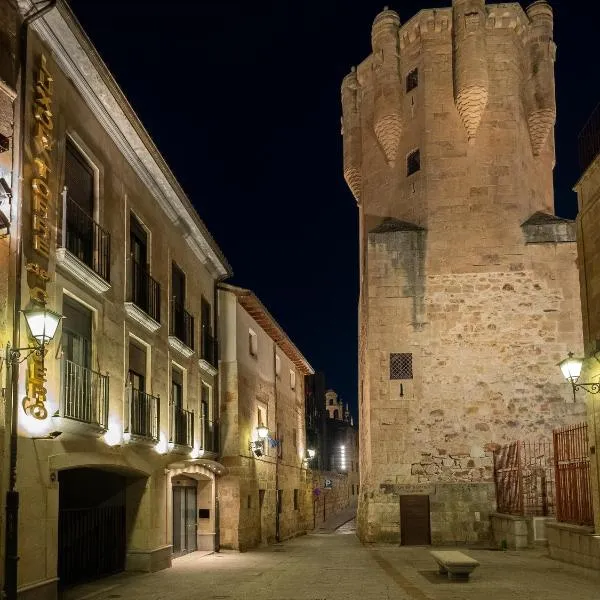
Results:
x,y
413,162
412,80
401,366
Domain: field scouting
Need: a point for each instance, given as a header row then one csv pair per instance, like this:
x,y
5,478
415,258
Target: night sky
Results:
x,y
242,99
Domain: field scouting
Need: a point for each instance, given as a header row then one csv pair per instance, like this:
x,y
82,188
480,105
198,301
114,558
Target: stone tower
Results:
x,y
469,288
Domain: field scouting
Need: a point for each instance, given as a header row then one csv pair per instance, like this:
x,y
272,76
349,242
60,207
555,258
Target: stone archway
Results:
x,y
204,474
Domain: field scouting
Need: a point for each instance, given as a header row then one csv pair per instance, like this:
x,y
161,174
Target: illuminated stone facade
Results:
x,y
129,394
468,282
266,494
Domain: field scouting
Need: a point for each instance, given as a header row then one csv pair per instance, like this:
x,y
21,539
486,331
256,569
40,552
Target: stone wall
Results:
x,y
573,544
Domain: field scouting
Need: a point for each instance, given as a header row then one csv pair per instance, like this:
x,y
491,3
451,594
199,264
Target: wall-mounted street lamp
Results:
x,y
571,370
310,453
42,325
258,446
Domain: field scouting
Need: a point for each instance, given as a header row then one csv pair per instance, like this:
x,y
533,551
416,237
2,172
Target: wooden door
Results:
x,y
414,520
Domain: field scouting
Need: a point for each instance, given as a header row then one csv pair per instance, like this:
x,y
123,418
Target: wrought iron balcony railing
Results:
x,y
145,290
208,347
142,414
182,324
589,140
181,431
210,436
84,395
85,239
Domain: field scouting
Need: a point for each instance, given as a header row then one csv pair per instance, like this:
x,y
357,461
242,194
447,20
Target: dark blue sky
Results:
x,y
242,99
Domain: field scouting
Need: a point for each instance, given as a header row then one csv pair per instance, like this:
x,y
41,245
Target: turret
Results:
x,y
388,121
541,51
471,85
352,133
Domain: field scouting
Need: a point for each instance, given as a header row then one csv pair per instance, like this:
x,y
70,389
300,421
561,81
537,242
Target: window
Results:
x,y
292,379
249,505
353,489
296,503
413,162
277,365
330,401
77,333
137,366
182,323
207,343
177,387
401,366
279,501
79,181
295,438
412,80
252,343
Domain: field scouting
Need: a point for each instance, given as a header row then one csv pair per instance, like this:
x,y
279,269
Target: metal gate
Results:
x,y
91,543
573,485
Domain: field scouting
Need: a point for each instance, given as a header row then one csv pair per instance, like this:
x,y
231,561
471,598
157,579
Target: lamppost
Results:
x,y
258,446
42,325
571,369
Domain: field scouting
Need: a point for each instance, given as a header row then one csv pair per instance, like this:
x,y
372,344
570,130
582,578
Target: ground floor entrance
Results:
x,y
92,531
415,527
185,503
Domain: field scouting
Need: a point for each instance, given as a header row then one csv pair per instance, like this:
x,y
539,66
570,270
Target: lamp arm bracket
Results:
x,y
590,387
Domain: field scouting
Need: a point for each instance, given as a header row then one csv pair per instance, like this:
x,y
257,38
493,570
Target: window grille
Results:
x,y
401,366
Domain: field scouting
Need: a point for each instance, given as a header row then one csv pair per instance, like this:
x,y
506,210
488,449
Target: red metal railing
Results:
x,y
573,484
524,478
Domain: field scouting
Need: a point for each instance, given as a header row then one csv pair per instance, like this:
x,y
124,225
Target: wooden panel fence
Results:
x,y
524,477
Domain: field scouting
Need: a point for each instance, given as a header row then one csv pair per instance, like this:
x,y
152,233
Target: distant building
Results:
x,y
316,418
265,495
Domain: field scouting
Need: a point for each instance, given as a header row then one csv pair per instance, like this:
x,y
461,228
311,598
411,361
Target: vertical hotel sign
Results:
x,y
34,404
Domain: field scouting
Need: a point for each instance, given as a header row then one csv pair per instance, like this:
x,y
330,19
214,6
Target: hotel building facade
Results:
x,y
117,417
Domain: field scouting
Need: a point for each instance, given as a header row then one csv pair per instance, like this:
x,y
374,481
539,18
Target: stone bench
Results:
x,y
456,564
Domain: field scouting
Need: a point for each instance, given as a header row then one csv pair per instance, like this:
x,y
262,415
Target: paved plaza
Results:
x,y
335,566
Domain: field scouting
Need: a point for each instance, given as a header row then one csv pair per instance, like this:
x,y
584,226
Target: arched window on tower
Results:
x,y
336,414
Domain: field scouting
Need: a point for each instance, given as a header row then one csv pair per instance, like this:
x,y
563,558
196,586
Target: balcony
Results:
x,y
589,140
83,400
181,431
181,336
142,417
144,296
209,441
84,247
208,354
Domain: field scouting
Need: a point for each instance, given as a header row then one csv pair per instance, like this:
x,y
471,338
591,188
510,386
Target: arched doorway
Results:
x,y
92,523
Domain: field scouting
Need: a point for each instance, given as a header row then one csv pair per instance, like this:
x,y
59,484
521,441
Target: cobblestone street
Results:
x,y
335,566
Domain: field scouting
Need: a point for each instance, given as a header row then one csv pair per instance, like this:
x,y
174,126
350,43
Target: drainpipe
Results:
x,y
279,447
11,539
217,407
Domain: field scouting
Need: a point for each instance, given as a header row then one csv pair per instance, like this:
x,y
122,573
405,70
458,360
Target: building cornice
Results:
x,y
249,301
75,54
